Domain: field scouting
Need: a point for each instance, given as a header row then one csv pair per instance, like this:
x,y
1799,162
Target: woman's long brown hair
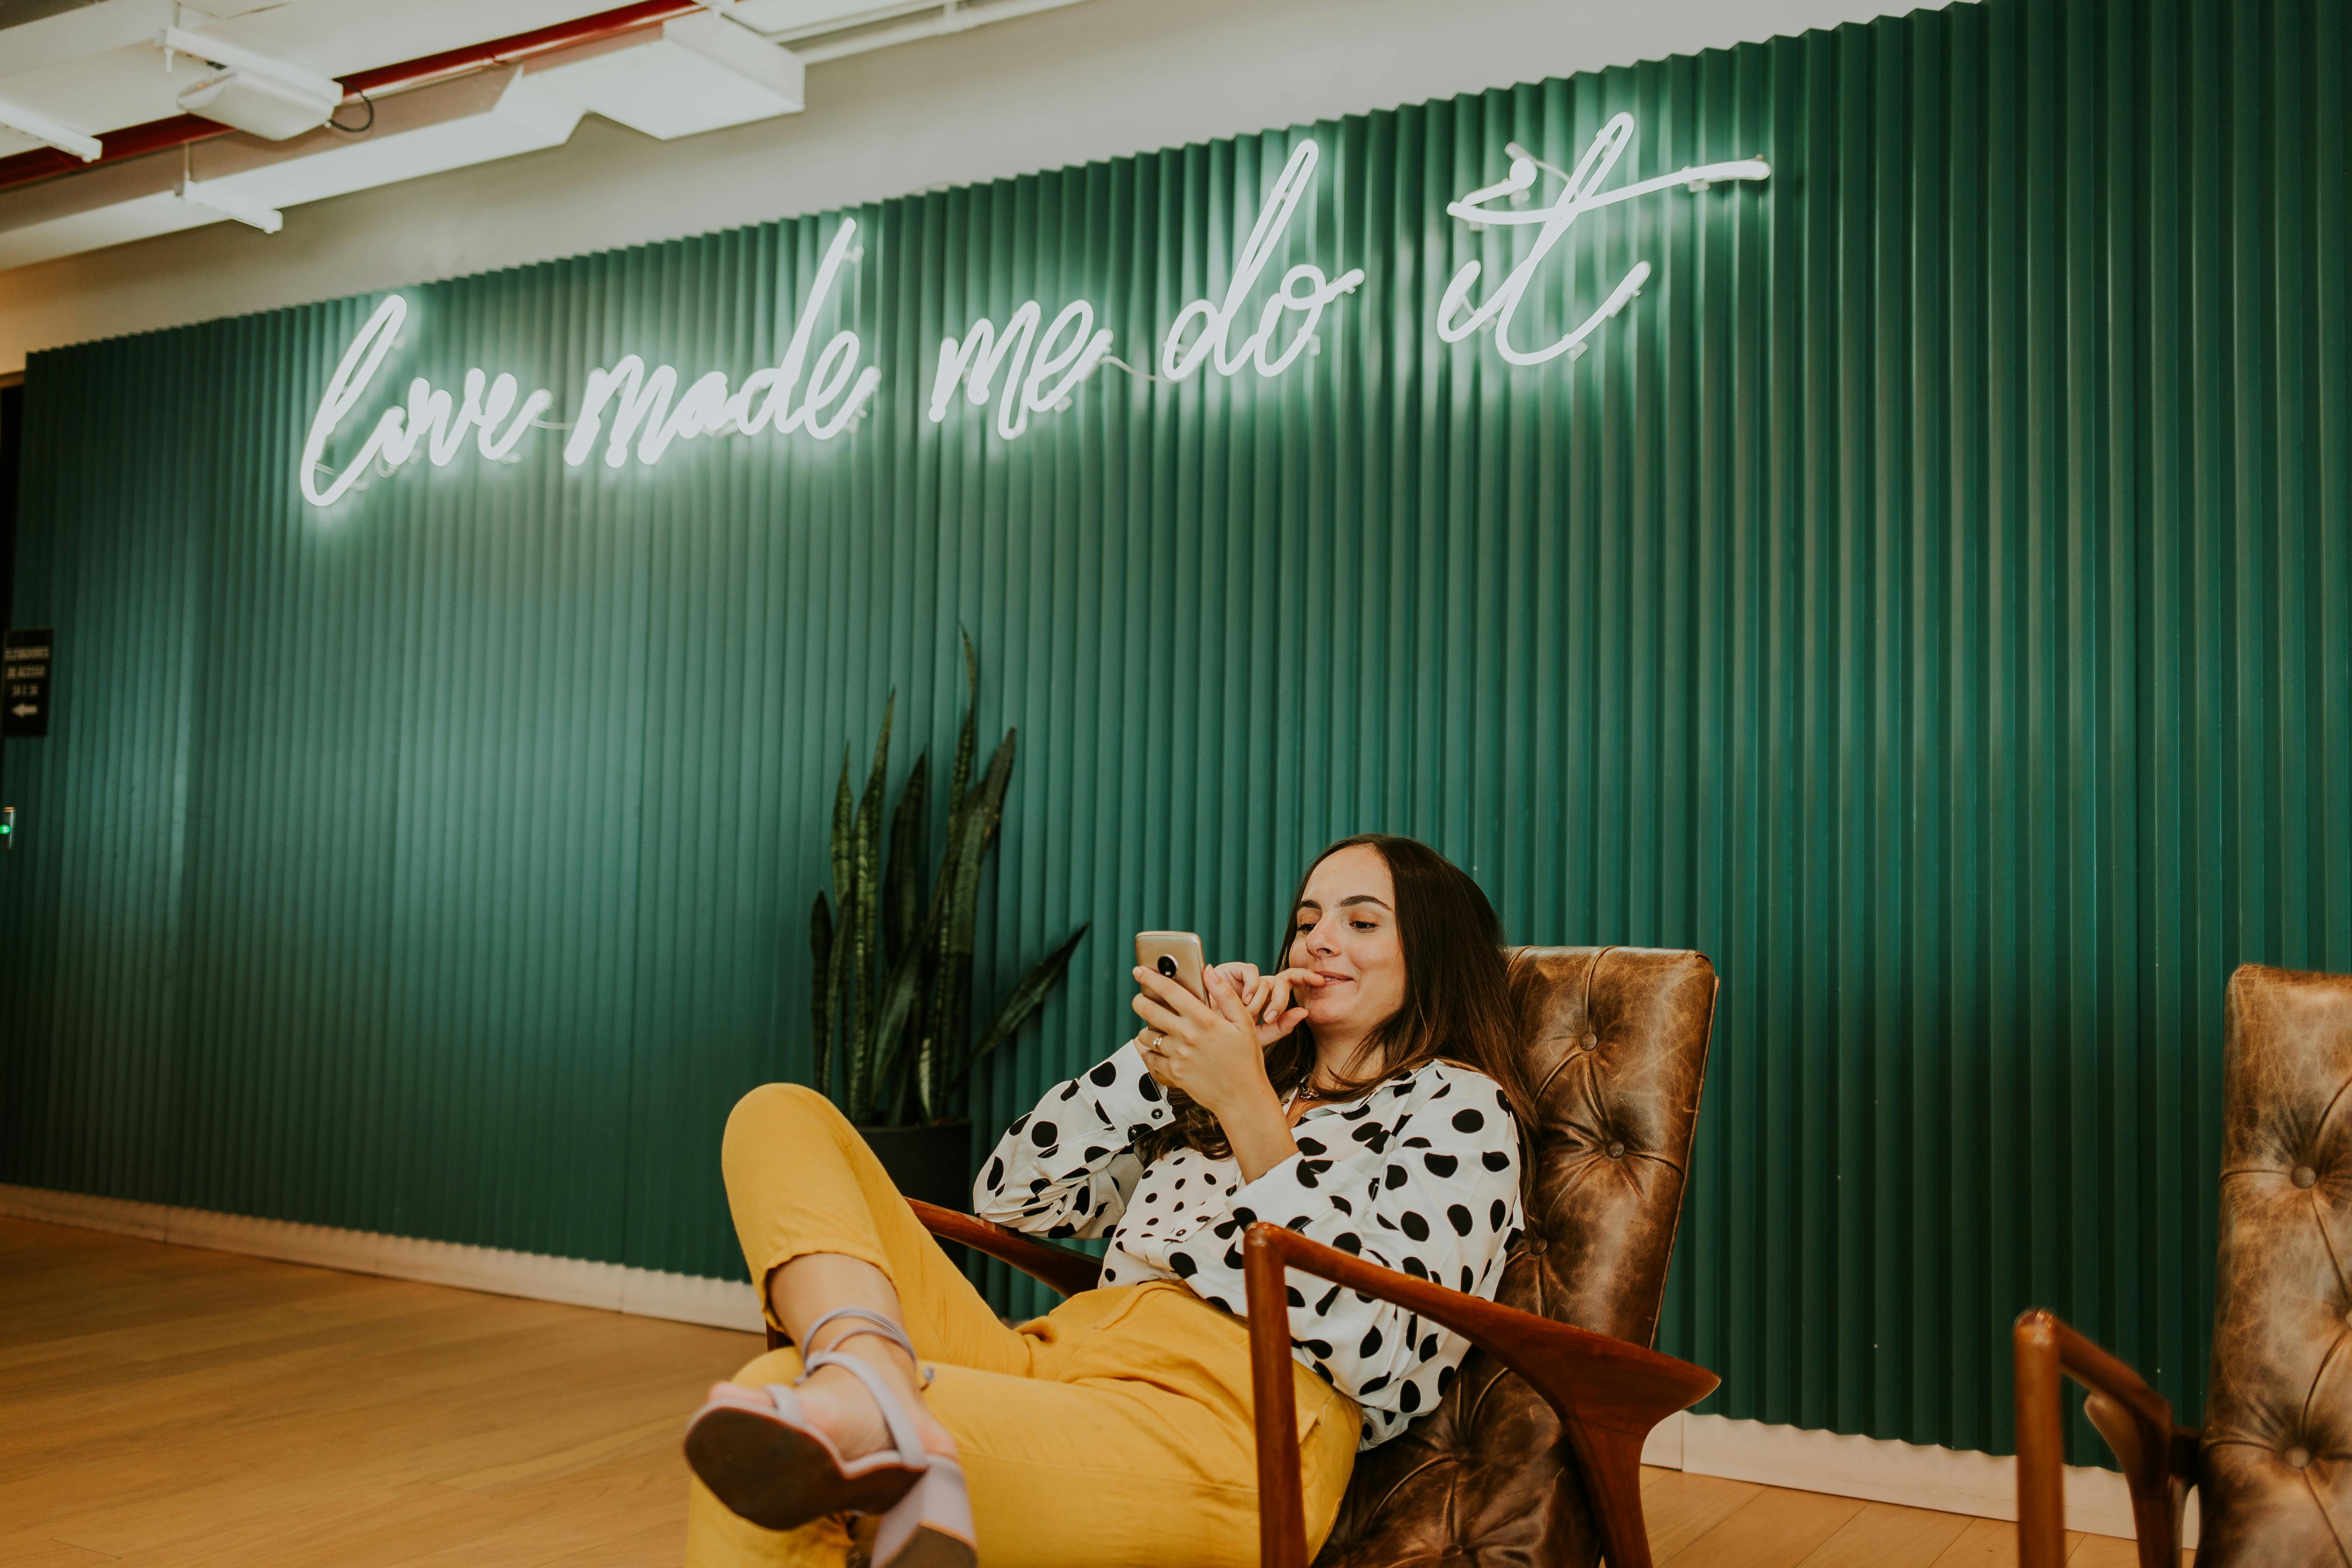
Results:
x,y
1457,1004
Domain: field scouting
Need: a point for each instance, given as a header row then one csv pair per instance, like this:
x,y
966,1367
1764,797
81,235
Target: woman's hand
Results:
x,y
1211,1050
1208,1049
1267,997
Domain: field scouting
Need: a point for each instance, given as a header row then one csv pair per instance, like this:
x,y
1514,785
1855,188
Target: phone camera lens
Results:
x,y
1167,966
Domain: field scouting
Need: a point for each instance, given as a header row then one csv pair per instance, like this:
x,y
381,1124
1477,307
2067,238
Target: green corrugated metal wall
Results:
x,y
1929,598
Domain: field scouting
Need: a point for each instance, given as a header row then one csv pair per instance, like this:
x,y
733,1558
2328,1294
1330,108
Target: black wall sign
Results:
x,y
26,662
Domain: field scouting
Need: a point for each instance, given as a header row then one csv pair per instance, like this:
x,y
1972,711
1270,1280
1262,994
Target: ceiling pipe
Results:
x,y
514,50
185,130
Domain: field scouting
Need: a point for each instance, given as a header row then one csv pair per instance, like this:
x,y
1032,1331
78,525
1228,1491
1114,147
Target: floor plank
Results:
x,y
1880,1533
37,1551
1774,1528
1989,1543
1680,1507
165,1407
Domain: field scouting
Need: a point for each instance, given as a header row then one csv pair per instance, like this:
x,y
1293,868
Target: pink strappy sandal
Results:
x,y
761,1456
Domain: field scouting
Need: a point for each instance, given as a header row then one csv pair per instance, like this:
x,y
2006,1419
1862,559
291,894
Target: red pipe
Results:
x,y
522,47
183,130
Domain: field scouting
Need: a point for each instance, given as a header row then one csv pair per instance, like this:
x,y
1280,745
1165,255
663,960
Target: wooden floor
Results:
x,y
160,1404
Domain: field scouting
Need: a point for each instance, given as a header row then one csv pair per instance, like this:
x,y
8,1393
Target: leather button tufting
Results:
x,y
2296,1458
1539,1247
1591,1041
2304,1177
1616,1150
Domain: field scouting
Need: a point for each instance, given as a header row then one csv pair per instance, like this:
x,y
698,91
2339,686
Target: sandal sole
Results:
x,y
935,1549
780,1477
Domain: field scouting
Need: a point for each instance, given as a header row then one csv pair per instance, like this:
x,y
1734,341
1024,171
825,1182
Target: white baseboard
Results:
x,y
647,1292
1949,1480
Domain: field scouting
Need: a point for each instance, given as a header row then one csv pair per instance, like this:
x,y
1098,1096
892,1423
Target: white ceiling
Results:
x,y
1105,78
98,68
89,68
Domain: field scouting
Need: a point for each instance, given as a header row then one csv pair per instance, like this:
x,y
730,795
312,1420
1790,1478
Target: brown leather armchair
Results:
x,y
1543,1465
2272,1467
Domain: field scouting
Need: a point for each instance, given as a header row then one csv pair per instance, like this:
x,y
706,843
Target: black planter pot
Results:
x,y
933,1163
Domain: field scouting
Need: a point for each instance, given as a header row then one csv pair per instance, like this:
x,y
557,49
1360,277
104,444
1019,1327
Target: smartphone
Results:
x,y
1176,954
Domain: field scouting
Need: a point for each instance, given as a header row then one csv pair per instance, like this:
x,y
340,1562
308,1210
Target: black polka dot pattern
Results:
x,y
1445,1208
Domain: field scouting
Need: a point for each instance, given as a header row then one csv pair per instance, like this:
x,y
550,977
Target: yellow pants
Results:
x,y
1114,1431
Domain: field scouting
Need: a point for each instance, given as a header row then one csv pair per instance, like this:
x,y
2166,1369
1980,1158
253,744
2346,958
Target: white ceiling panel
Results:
x,y
471,121
699,73
108,205
337,37
160,212
101,68
468,121
83,71
794,15
85,30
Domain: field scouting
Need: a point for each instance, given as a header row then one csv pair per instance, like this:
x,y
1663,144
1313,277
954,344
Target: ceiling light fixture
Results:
x,y
251,93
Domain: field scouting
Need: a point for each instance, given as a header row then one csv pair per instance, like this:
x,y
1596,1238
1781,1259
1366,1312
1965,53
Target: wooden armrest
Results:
x,y
1609,1393
1059,1269
2159,1457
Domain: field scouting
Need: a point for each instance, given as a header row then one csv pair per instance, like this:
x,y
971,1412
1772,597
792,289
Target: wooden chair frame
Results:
x,y
2159,1457
1608,1393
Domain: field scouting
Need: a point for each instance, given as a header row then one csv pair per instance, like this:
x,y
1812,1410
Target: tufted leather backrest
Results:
x,y
2277,1448
1617,1042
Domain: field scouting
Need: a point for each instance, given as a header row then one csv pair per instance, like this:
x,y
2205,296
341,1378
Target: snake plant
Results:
x,y
892,948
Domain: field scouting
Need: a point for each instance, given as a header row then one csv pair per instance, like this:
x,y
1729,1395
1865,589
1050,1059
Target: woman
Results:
x,y
1365,1094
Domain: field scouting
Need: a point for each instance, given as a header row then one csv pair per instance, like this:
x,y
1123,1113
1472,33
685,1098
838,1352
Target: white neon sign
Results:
x,y
1069,351
1582,195
974,361
1029,366
1179,359
625,405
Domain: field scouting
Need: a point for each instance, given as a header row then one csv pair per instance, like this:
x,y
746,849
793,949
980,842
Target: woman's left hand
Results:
x,y
1269,997
1208,1049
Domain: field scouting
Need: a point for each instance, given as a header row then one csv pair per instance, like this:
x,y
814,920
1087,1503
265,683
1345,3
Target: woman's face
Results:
x,y
1345,928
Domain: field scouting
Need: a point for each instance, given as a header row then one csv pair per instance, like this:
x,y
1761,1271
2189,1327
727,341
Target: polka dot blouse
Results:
x,y
1421,1175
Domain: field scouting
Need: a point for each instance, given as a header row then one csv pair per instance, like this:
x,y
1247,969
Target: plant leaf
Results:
x,y
903,889
840,849
890,1028
820,974
967,737
865,920
1026,998
843,866
977,829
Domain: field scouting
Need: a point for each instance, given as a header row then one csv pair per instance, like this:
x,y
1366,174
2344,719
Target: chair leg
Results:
x,y
1613,1485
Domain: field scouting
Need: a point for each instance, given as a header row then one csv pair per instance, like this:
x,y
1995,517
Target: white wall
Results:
x,y
1098,79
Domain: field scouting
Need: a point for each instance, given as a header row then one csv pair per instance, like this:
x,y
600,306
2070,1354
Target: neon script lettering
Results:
x,y
974,361
1069,351
1304,289
624,404
1582,195
631,408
